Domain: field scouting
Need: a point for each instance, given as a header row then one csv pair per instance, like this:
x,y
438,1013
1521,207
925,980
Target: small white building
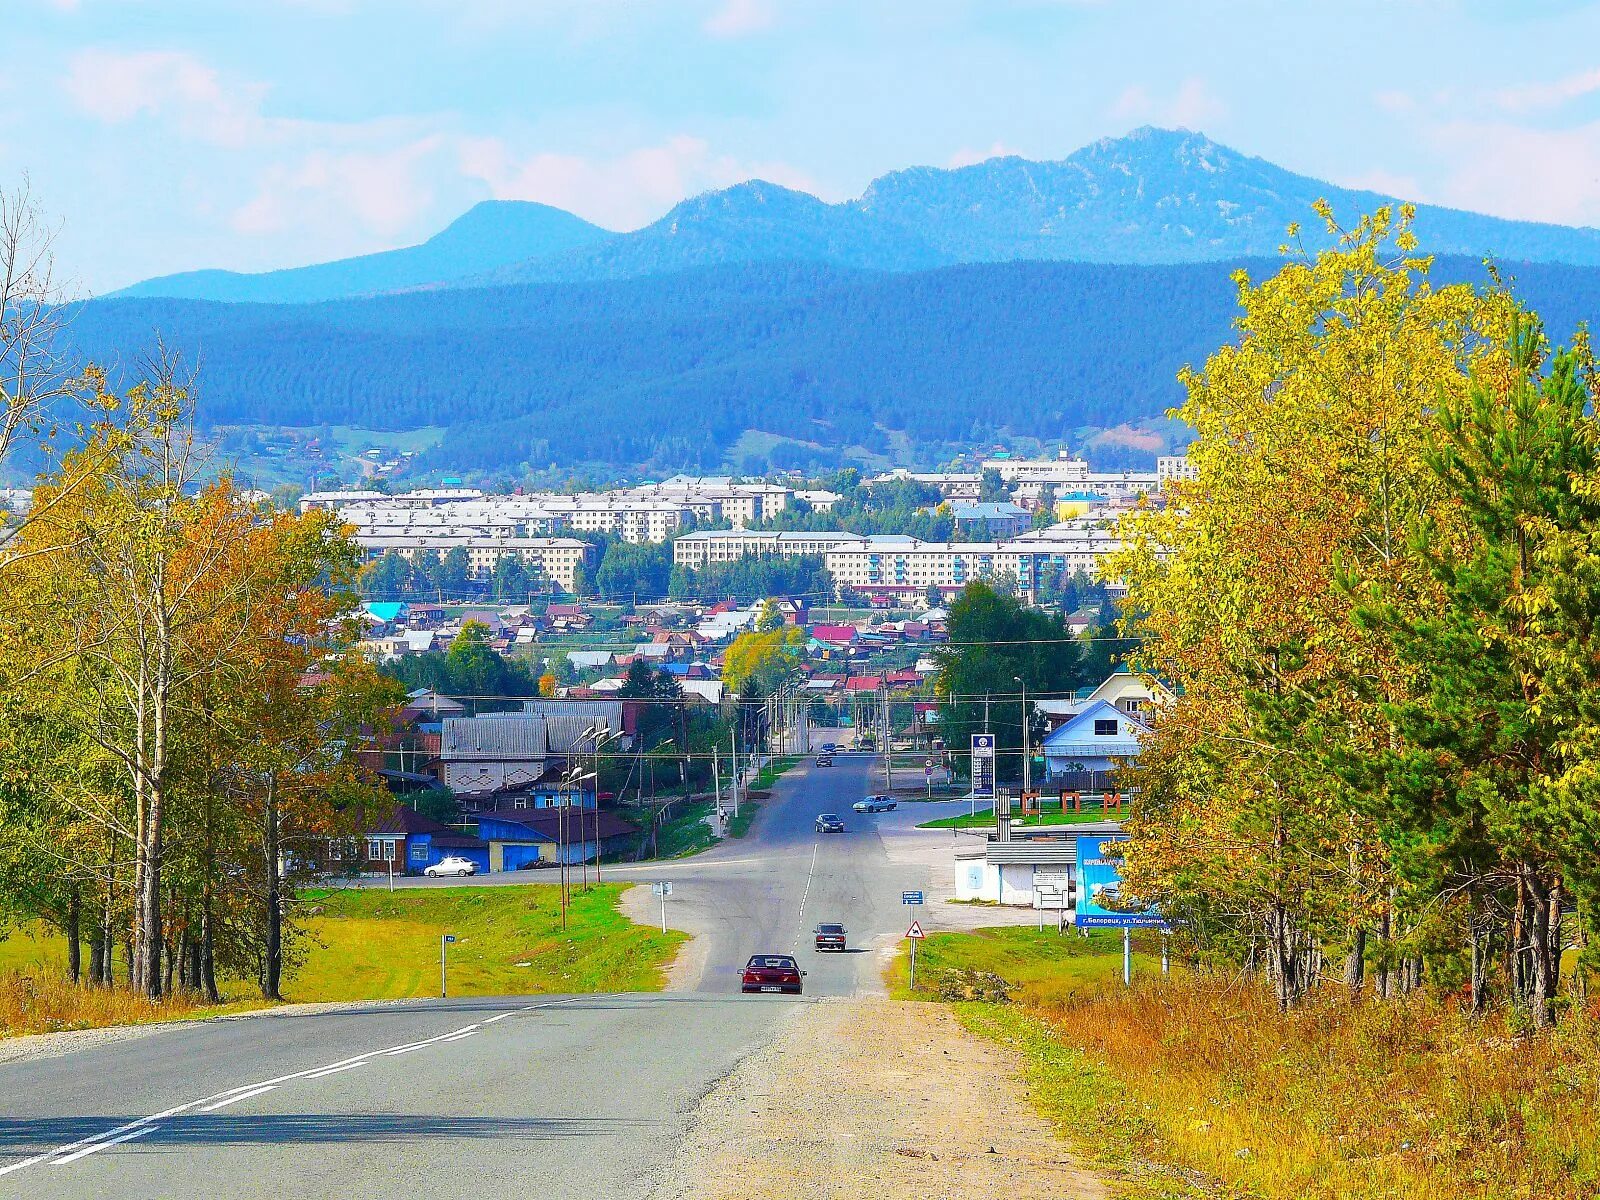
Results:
x,y
1029,872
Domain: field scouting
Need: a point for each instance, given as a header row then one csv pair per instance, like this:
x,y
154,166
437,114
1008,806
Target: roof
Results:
x,y
544,824
834,633
608,714
513,737
401,819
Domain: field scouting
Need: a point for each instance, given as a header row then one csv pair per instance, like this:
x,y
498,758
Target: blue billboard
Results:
x,y
1100,903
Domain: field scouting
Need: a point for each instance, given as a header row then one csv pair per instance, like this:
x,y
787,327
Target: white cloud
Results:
x,y
1534,97
1388,183
967,156
116,87
384,190
623,191
735,18
1530,174
1193,105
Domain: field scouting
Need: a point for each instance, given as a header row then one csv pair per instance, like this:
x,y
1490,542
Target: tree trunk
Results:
x,y
1481,928
1355,962
208,960
1539,901
97,956
74,944
272,966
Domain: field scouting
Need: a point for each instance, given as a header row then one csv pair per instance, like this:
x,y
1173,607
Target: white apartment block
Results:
x,y
1062,469
906,566
707,547
1175,466
557,558
952,485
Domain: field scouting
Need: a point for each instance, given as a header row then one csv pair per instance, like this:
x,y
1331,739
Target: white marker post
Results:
x,y
444,942
663,889
916,935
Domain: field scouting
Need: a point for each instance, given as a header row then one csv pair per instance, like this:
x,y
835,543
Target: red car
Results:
x,y
772,973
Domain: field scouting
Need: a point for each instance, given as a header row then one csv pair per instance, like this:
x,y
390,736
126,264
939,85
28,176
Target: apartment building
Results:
x,y
557,558
905,566
1175,466
706,547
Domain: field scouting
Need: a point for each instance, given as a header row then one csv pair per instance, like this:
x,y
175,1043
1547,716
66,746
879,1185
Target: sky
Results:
x,y
167,135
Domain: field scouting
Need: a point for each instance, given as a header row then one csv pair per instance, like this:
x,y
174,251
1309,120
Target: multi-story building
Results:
x,y
557,558
705,547
1175,466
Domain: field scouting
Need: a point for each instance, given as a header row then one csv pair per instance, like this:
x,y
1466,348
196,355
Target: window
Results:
x,y
1105,728
380,849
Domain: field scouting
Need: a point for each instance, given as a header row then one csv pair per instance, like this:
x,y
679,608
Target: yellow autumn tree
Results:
x,y
1309,437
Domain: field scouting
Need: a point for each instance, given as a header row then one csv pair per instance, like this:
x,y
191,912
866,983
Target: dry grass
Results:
x,y
1197,1086
48,1003
1402,1099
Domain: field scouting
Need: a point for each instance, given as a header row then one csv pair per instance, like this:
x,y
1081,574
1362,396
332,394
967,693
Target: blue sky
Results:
x,y
250,134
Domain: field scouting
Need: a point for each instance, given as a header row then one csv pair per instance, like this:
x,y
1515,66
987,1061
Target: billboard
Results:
x,y
983,766
1100,904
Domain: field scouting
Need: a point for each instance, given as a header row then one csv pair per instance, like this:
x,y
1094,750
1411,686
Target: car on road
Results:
x,y
824,760
829,823
830,936
874,804
828,747
451,866
772,973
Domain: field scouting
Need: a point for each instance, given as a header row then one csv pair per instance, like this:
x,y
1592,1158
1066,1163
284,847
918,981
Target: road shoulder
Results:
x,y
867,1096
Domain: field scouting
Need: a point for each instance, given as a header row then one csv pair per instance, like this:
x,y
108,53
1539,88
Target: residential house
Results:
x,y
492,753
405,842
517,840
1093,740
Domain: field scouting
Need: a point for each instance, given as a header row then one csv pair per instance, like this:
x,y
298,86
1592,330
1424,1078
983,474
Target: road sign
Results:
x,y
927,768
664,888
910,897
983,765
915,932
449,937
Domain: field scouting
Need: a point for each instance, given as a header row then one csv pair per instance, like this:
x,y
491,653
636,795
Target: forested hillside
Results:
x,y
806,364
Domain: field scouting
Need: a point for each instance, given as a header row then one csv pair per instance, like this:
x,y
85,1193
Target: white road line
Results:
x,y
336,1070
234,1099
72,1151
116,1141
804,896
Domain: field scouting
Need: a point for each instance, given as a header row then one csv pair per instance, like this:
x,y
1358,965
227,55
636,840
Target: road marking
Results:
x,y
456,1037
336,1070
234,1099
116,1141
143,1125
800,917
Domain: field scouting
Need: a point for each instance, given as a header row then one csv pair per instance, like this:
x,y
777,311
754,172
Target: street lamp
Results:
x,y
609,735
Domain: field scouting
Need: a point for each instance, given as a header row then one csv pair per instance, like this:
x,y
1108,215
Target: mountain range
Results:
x,y
757,327
1154,196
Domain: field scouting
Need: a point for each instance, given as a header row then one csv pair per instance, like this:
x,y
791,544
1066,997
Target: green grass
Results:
x,y
984,818
1043,967
373,944
688,832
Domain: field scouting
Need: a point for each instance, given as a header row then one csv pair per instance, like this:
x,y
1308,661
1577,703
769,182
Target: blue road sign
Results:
x,y
910,897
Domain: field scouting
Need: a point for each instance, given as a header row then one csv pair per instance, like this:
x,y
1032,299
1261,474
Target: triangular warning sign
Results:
x,y
916,930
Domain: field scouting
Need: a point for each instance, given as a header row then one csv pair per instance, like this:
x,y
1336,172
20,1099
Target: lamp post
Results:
x,y
599,742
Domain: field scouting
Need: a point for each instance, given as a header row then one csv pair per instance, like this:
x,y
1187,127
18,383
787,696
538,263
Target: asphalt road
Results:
x,y
559,1097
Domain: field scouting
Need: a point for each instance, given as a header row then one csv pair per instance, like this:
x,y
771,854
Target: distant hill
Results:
x,y
492,234
783,365
1153,197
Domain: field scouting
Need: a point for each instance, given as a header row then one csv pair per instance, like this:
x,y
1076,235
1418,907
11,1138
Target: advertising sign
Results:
x,y
1100,904
983,765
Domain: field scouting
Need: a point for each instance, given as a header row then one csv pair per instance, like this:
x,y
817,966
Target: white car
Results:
x,y
451,866
873,804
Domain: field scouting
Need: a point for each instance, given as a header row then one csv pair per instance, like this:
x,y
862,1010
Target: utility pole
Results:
x,y
1026,777
733,767
888,770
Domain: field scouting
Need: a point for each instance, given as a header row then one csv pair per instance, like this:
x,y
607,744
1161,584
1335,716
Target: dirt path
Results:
x,y
873,1098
